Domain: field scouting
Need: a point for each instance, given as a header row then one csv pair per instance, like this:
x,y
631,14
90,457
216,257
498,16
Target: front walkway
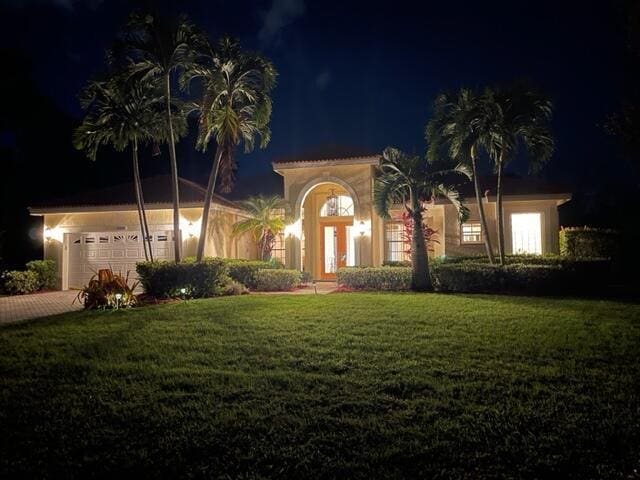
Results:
x,y
25,307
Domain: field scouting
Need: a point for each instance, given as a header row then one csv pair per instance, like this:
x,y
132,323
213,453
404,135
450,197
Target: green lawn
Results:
x,y
336,386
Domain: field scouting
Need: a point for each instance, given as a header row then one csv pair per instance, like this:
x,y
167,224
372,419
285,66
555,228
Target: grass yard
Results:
x,y
336,386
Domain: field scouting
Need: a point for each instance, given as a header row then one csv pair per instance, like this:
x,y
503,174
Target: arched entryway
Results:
x,y
328,228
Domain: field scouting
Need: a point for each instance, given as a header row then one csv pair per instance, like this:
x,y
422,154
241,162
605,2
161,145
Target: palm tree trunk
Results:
x,y
136,187
208,198
420,278
143,209
175,194
483,218
500,213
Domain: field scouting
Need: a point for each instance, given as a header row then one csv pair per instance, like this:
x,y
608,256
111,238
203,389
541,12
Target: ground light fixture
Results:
x,y
183,292
118,298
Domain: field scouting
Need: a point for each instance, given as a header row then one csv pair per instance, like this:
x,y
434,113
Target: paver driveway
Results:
x,y
25,307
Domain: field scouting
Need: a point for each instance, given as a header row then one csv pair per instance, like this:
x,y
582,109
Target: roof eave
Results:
x,y
327,162
62,209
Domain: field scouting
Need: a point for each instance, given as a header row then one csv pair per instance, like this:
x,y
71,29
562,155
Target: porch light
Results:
x,y
293,229
362,228
190,228
52,234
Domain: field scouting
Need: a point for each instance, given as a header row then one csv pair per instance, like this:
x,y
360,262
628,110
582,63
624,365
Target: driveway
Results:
x,y
25,307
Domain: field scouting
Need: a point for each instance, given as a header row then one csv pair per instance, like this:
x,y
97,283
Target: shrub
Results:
x,y
234,288
16,282
305,277
276,280
549,279
396,263
245,271
546,259
108,290
167,279
375,278
586,242
46,273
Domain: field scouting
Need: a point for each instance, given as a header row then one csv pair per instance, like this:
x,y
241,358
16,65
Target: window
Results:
x,y
526,233
89,240
278,250
341,207
103,239
395,246
161,238
471,233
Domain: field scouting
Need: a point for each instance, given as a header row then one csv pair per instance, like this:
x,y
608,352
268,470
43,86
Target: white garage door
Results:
x,y
120,251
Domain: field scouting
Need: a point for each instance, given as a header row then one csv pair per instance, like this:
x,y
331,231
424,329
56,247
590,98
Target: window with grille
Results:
x,y
340,206
278,250
471,233
395,246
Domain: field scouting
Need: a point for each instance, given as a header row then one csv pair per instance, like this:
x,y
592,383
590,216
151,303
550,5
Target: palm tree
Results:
x,y
454,127
514,116
268,216
410,180
158,47
121,114
235,108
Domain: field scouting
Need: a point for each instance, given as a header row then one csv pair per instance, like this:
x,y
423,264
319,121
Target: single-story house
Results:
x,y
334,222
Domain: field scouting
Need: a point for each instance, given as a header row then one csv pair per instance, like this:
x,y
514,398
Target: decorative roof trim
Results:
x,y
38,211
326,162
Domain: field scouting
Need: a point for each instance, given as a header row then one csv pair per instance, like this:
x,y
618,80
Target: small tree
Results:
x,y
428,233
409,180
267,219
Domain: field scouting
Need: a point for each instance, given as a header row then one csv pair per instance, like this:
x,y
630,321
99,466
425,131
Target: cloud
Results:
x,y
281,14
323,79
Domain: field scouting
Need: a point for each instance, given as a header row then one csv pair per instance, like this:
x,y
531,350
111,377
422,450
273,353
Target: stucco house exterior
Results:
x,y
334,222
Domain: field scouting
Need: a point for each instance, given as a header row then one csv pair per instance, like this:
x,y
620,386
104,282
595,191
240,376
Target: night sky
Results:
x,y
350,73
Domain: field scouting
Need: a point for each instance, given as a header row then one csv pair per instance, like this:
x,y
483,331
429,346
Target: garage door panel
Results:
x,y
92,251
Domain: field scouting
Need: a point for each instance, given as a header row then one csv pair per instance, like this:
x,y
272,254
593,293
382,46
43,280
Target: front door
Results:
x,y
334,253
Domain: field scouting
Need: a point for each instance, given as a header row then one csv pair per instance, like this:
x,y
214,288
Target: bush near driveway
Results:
x,y
46,272
16,282
166,279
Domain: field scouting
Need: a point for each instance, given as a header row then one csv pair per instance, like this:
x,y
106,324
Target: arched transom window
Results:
x,y
337,206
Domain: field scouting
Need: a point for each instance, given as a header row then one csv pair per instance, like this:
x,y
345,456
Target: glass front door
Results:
x,y
337,248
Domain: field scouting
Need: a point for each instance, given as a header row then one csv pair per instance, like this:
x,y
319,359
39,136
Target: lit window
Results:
x,y
278,250
339,206
471,233
526,233
395,245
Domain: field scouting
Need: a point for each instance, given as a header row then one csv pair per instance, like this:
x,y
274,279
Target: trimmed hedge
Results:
x,y
375,278
586,242
245,271
276,280
567,277
166,279
16,282
571,277
46,273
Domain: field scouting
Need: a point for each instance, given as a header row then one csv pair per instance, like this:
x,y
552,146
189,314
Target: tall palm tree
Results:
x,y
121,114
235,109
267,219
410,180
454,128
514,116
157,47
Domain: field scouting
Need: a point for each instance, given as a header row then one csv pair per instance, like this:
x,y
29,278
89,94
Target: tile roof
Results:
x,y
329,152
156,190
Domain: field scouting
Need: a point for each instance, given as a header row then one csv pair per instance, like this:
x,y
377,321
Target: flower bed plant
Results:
x,y
107,290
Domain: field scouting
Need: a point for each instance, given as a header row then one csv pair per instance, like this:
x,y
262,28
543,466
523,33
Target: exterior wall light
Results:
x,y
53,234
362,228
190,228
294,229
